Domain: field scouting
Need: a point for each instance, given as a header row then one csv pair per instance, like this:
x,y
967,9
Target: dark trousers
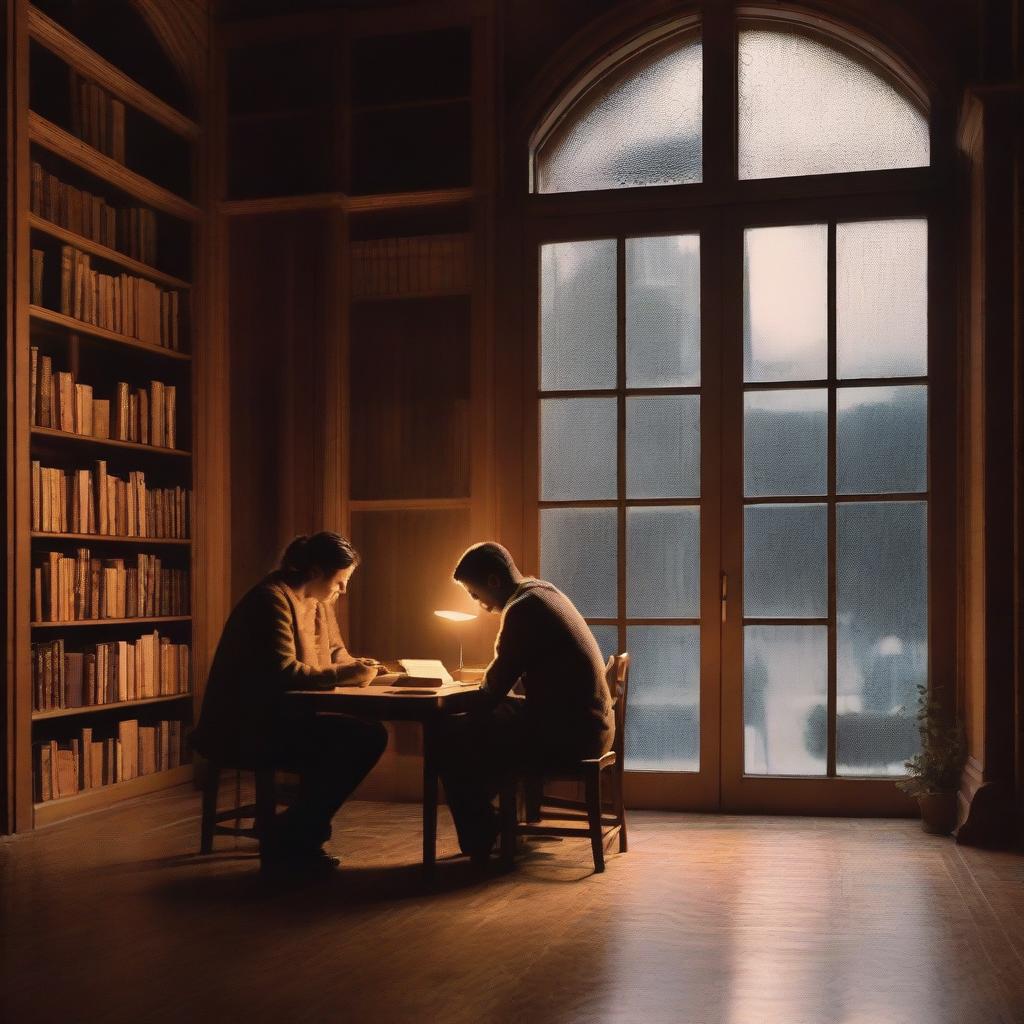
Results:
x,y
332,754
474,752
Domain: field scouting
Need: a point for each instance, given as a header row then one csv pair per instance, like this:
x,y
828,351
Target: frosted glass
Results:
x,y
663,447
578,555
785,682
578,440
785,443
808,107
607,638
663,560
881,439
785,303
638,125
882,614
882,298
663,716
785,561
578,315
663,311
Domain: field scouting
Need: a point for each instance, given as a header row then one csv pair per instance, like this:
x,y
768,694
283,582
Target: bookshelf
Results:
x,y
108,202
403,185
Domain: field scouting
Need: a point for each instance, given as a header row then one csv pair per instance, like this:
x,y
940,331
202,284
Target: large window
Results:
x,y
741,499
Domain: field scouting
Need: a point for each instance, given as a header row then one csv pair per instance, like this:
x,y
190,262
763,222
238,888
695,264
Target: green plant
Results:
x,y
936,768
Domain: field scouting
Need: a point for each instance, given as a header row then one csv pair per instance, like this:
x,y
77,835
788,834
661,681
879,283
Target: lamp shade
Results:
x,y
453,616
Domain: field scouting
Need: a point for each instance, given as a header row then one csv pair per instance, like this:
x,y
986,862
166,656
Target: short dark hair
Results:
x,y
325,551
481,560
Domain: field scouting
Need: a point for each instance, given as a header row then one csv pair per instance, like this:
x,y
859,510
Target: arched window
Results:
x,y
733,384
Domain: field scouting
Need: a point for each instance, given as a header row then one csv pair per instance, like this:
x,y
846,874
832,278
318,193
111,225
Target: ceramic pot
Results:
x,y
938,813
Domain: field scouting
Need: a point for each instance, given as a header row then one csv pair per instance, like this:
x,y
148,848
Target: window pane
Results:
x,y
881,441
785,561
638,125
663,717
882,298
785,443
785,303
663,447
663,560
785,681
663,311
808,107
578,315
882,613
578,555
579,438
607,638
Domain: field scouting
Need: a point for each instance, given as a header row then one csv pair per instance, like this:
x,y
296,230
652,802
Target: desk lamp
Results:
x,y
456,617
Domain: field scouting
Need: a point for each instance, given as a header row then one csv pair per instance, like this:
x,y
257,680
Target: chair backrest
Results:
x,y
616,672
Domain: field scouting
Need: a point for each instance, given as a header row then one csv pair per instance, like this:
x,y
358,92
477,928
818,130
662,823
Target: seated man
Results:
x,y
282,636
567,712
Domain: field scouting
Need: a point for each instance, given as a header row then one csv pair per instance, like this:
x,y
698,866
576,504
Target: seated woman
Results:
x,y
282,636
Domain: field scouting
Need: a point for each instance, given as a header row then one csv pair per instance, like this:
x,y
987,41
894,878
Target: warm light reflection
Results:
x,y
451,616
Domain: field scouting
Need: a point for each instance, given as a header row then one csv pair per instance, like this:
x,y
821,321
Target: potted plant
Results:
x,y
933,774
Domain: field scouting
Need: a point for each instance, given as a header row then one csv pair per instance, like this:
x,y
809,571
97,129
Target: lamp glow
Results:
x,y
457,617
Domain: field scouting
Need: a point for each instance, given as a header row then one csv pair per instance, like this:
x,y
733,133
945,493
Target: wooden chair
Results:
x,y
261,811
597,822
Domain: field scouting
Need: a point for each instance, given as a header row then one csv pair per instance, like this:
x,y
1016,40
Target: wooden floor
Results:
x,y
707,919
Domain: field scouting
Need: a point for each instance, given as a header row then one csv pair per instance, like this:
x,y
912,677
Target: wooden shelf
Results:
x,y
51,811
103,442
371,203
42,716
105,252
50,316
48,135
466,292
406,504
97,538
110,622
408,200
72,51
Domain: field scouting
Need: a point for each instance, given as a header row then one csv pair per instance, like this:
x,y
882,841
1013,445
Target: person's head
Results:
x,y
489,575
321,565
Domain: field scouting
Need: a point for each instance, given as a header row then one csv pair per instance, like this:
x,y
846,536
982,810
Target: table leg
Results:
x,y
429,795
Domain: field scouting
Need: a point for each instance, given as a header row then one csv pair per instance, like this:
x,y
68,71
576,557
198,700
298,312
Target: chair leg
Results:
x,y
210,787
533,787
266,801
620,808
508,811
593,787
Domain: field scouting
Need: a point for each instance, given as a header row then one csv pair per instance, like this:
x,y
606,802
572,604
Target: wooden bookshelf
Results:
x,y
77,623
54,138
120,705
408,200
51,316
107,442
106,253
42,52
103,538
51,811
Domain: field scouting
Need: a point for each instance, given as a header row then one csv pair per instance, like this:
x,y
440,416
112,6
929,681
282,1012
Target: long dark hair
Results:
x,y
327,552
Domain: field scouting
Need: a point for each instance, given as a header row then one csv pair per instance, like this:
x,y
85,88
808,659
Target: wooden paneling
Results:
x,y
410,391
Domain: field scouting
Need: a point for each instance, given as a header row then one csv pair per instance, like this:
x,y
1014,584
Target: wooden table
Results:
x,y
399,704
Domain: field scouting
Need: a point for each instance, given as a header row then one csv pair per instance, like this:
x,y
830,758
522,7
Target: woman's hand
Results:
x,y
357,673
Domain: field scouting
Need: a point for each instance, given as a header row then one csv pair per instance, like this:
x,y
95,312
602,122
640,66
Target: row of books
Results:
x,y
65,768
145,415
123,303
96,117
129,229
106,673
94,501
73,588
403,266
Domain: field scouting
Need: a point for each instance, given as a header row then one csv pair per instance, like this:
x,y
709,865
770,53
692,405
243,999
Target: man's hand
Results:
x,y
378,667
357,673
